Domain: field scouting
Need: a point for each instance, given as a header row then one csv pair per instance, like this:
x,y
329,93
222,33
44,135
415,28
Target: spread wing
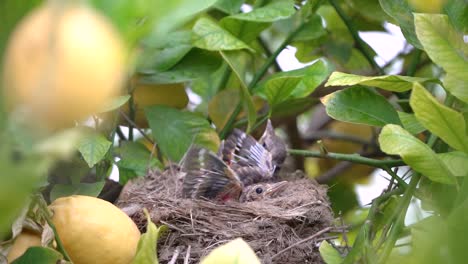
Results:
x,y
208,176
274,144
242,150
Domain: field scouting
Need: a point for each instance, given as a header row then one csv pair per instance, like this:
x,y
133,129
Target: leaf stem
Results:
x,y
361,44
348,157
400,221
46,213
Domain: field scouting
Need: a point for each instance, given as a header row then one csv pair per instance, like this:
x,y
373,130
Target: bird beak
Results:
x,y
276,188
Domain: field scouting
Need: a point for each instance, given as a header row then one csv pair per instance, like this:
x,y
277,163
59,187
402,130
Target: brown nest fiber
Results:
x,y
285,229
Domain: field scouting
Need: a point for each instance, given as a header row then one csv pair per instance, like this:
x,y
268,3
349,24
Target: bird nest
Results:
x,y
284,229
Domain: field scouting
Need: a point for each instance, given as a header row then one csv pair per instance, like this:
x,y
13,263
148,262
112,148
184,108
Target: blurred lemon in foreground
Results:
x,y
236,251
94,231
23,241
144,95
62,62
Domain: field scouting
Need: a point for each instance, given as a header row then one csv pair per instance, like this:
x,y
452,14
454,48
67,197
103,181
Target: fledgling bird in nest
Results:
x,y
242,170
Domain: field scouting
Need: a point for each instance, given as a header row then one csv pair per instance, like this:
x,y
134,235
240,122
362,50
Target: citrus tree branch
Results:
x,y
355,158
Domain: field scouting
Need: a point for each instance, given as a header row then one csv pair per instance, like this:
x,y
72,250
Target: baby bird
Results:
x,y
207,176
262,191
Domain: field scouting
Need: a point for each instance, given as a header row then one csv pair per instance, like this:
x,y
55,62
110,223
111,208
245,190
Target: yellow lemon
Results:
x,y
94,231
236,251
144,95
63,60
23,241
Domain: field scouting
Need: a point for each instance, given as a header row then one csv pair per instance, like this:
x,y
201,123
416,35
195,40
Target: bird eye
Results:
x,y
259,190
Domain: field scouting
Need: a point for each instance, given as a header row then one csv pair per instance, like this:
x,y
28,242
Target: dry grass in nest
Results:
x,y
284,229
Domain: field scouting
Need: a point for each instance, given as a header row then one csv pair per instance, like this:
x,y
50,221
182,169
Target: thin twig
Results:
x,y
187,255
360,44
321,134
127,118
326,229
348,157
175,256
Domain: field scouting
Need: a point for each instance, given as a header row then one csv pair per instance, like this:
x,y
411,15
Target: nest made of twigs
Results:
x,y
285,229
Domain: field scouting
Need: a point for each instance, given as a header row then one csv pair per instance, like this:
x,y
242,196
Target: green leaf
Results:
x,y
247,31
401,11
394,140
196,64
441,120
175,131
456,162
457,11
94,147
161,54
135,160
410,123
443,44
294,84
457,87
229,6
313,29
237,60
39,255
147,245
269,13
360,105
210,36
115,103
329,254
394,83
88,189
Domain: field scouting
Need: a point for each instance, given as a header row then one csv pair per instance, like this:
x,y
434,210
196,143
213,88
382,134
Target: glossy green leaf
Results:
x,y
401,11
456,162
313,29
271,12
229,6
236,60
196,64
329,254
394,140
279,89
135,160
88,189
115,103
443,44
39,255
210,36
441,120
360,105
294,84
457,87
394,83
457,11
175,131
93,147
411,123
161,54
147,245
247,31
